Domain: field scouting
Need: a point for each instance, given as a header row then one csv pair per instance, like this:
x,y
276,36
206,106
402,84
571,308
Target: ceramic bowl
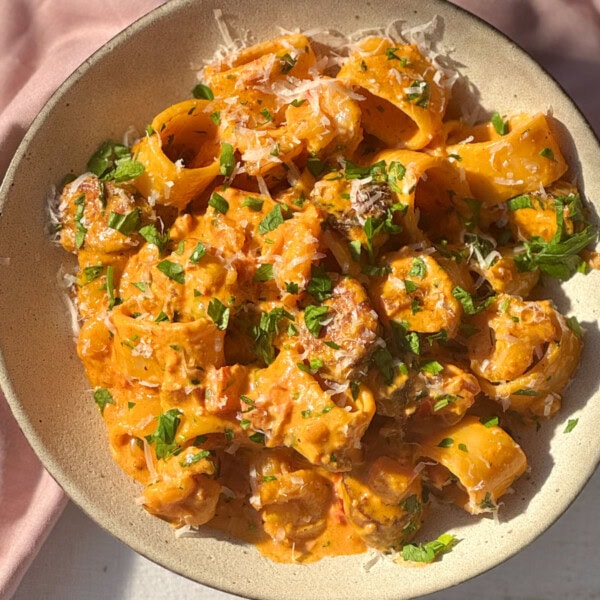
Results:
x,y
133,77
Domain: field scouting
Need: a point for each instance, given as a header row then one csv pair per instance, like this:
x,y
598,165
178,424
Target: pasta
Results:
x,y
305,297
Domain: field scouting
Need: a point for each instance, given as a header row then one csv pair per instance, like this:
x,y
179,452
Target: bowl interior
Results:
x,y
154,64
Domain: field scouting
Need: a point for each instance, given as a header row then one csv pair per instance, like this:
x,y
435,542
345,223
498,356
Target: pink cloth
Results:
x,y
42,41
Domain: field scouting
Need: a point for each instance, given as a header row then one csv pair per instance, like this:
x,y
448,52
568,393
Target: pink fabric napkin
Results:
x,y
43,41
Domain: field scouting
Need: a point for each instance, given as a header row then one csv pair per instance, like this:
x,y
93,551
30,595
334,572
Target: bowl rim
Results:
x,y
18,410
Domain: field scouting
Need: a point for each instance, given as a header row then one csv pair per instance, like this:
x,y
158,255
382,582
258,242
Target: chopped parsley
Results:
x,y
172,270
265,332
257,437
226,161
92,273
80,229
219,313
288,62
547,153
433,367
152,236
558,257
499,124
254,204
110,287
202,92
264,272
447,442
102,397
320,285
125,224
470,305
192,459
519,202
113,162
292,287
197,253
163,437
272,220
418,93
396,172
410,286
418,268
314,317
385,364
377,171
571,424
429,551
218,203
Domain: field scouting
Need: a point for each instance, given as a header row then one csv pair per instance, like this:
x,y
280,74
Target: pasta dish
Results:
x,y
305,298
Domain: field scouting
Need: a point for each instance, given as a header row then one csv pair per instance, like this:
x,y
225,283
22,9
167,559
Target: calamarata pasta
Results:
x,y
306,297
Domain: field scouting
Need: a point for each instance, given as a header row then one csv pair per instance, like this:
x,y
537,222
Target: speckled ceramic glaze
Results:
x,y
132,78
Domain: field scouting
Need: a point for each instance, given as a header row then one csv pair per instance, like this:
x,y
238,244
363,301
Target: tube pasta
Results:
x,y
404,104
485,460
499,167
296,290
532,360
180,154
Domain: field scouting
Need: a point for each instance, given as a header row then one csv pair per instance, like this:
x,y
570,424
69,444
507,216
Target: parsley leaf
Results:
x,y
559,257
320,284
500,125
264,272
203,92
288,62
418,268
396,172
197,253
219,313
491,422
113,161
314,317
385,364
433,367
254,204
226,160
192,459
571,424
102,397
151,235
418,93
172,270
272,220
125,224
470,306
92,273
429,551
547,153
376,171
218,203
265,332
163,437
291,287
110,287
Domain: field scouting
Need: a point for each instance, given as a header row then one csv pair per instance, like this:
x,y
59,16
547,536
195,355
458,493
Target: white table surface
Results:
x,y
80,561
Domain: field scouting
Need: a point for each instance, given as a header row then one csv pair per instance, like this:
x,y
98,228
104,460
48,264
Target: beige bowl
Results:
x,y
128,81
